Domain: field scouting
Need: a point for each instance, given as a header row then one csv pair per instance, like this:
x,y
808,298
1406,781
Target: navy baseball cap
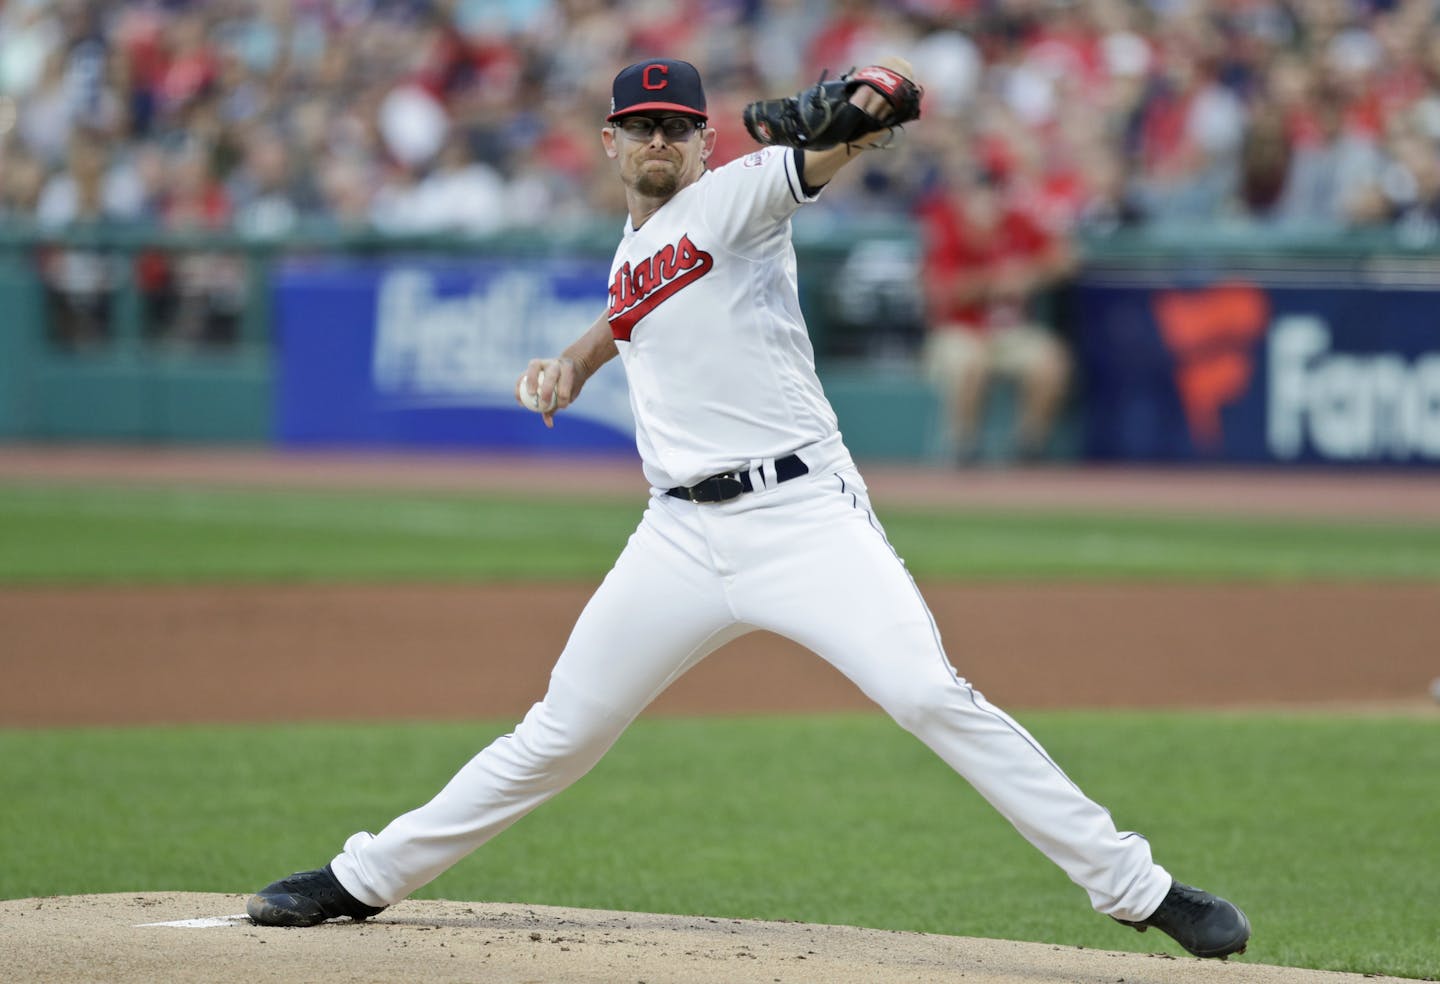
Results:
x,y
662,83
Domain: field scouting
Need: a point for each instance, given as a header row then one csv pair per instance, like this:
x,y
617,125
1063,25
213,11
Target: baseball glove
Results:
x,y
823,116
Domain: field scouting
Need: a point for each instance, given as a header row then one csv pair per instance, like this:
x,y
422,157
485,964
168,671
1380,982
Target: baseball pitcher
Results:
x,y
757,519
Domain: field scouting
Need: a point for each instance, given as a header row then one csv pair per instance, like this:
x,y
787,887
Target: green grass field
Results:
x,y
1323,827
72,534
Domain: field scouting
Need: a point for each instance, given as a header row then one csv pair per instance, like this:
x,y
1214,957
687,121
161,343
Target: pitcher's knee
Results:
x,y
568,744
918,705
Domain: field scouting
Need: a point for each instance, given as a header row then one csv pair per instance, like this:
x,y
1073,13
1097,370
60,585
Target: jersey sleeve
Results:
x,y
750,200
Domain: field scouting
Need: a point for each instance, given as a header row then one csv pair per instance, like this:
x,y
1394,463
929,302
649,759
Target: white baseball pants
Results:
x,y
807,560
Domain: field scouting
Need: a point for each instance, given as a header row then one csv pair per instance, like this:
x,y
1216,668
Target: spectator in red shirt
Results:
x,y
986,263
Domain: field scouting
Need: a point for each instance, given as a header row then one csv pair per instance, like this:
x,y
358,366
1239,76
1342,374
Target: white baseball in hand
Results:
x,y
531,398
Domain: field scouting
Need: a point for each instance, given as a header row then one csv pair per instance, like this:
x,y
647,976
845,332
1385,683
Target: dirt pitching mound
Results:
x,y
183,938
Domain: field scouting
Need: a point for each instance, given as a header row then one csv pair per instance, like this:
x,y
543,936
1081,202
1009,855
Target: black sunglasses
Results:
x,y
677,129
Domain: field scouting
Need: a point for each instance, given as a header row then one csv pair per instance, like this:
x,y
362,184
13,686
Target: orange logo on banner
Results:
x,y
1212,334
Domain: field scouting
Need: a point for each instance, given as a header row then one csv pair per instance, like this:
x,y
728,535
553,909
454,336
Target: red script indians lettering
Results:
x,y
641,287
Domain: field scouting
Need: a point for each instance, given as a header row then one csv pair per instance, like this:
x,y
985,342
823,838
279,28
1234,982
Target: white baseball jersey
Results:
x,y
705,312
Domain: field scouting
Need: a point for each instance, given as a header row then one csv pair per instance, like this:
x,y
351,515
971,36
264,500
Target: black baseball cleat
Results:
x,y
1204,924
306,898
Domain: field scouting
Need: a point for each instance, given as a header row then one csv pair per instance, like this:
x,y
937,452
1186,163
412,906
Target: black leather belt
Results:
x,y
727,485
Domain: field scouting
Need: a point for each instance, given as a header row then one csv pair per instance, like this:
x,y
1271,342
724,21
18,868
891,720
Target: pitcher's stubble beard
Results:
x,y
661,184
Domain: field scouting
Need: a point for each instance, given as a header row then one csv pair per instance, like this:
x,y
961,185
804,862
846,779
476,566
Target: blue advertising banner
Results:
x,y
1303,367
426,354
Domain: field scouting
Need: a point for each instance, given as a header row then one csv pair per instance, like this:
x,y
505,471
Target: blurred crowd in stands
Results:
x,y
481,115
1044,120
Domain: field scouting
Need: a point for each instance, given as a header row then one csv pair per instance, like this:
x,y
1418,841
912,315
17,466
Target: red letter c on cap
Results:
x,y
645,81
